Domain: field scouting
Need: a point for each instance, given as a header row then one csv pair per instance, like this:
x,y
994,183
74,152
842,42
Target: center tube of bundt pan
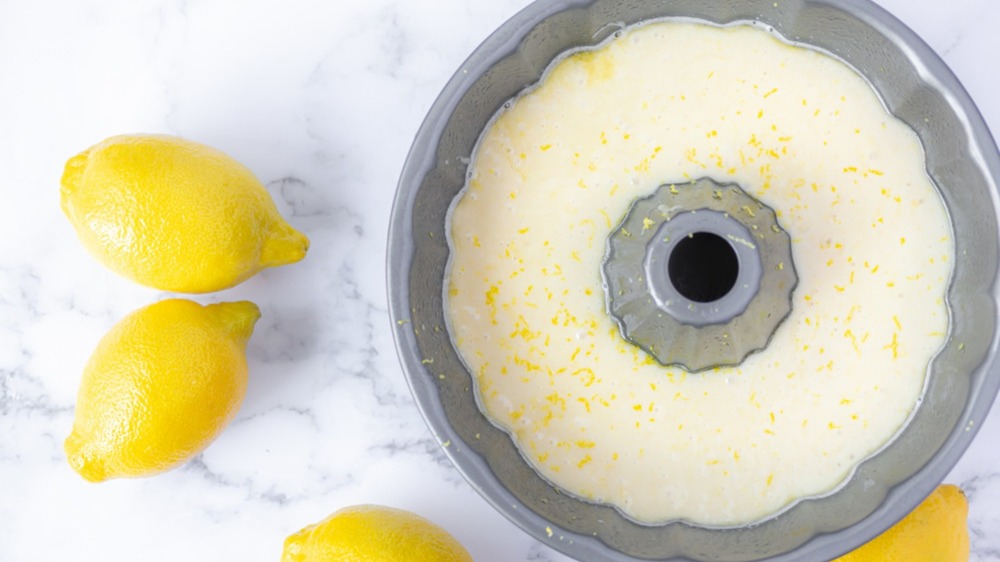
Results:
x,y
699,275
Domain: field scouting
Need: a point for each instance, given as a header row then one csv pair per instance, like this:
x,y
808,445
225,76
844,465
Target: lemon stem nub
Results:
x,y
286,245
71,178
238,317
82,459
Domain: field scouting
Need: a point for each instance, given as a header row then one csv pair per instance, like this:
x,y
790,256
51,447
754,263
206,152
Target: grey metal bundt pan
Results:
x,y
962,160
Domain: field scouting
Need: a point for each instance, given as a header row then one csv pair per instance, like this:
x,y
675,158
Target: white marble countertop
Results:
x,y
321,100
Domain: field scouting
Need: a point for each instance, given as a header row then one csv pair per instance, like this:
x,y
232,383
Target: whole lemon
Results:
x,y
936,531
372,533
160,387
174,214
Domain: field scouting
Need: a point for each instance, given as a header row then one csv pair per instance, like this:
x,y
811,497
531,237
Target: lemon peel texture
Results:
x,y
159,388
936,531
372,533
174,214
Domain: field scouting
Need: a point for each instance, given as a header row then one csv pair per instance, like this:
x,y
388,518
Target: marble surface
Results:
x,y
321,100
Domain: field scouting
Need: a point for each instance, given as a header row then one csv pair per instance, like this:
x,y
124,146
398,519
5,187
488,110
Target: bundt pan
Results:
x,y
962,160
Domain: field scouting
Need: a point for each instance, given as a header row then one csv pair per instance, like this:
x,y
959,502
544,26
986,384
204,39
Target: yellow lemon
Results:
x,y
174,214
372,533
936,531
160,387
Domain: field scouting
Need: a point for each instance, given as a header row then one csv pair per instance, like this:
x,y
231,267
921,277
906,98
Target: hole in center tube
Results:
x,y
703,267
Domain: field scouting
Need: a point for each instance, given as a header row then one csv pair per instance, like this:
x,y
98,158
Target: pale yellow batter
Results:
x,y
664,103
